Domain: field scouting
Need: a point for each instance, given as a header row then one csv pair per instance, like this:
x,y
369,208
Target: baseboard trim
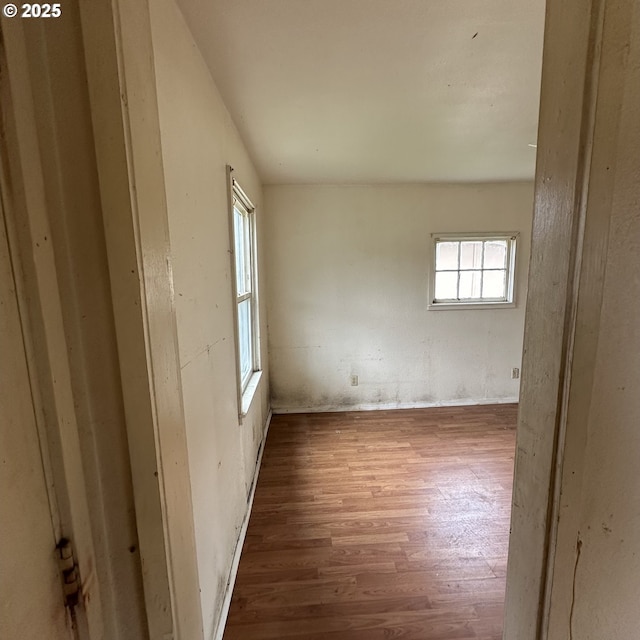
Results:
x,y
381,406
233,573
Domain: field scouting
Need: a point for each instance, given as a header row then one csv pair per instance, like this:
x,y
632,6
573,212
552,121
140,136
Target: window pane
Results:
x,y
495,254
446,255
244,335
470,255
446,285
469,285
239,222
246,220
494,284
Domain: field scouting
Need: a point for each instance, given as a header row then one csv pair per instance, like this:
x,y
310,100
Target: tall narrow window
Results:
x,y
473,270
246,284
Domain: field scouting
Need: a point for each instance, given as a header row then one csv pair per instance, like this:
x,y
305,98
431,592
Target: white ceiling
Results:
x,y
378,91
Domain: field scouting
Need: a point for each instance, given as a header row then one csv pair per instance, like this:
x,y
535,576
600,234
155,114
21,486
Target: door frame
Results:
x,y
40,307
572,210
115,45
126,129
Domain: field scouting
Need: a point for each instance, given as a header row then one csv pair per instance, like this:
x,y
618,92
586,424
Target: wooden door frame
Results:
x,y
122,90
116,47
566,276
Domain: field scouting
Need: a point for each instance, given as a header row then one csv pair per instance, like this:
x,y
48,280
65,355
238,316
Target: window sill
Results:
x,y
249,393
476,306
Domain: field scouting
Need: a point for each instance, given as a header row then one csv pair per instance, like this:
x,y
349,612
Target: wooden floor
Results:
x,y
377,525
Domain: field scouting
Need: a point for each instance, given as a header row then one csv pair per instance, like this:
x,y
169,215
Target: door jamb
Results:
x,y
555,306
124,109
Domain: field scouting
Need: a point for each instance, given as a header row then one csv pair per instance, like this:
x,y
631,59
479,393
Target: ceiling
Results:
x,y
378,91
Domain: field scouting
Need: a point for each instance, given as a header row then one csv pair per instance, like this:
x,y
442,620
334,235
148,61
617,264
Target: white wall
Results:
x,y
347,294
198,141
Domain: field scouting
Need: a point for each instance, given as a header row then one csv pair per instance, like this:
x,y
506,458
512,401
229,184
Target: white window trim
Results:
x,y
246,392
510,303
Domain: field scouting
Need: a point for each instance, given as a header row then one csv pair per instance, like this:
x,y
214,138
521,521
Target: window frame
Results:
x,y
246,385
482,303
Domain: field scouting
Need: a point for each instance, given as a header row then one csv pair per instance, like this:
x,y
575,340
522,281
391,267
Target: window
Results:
x,y
246,290
473,270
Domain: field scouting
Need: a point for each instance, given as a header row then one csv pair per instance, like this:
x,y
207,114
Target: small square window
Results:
x,y
473,270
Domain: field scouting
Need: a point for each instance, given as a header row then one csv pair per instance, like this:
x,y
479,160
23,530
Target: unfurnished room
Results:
x,y
319,320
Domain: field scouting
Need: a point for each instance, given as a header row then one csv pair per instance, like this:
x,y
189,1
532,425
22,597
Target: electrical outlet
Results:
x,y
515,373
354,381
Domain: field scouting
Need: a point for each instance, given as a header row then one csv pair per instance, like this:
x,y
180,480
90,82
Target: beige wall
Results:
x,y
608,577
347,295
198,141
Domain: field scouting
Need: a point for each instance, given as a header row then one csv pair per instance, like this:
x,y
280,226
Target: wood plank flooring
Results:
x,y
380,524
